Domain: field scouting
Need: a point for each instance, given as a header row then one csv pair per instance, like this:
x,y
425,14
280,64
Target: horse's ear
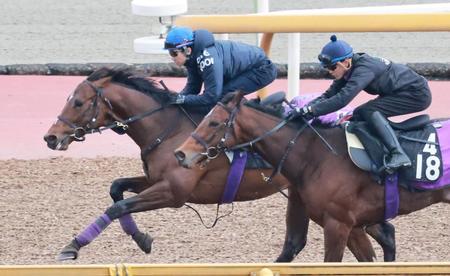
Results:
x,y
237,98
102,82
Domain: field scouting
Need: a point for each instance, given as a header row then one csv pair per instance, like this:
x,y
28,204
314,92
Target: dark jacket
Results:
x,y
214,63
376,76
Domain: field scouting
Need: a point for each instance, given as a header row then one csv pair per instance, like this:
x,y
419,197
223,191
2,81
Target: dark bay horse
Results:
x,y
110,96
336,194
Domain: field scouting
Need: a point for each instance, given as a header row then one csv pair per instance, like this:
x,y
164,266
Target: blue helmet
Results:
x,y
334,51
179,37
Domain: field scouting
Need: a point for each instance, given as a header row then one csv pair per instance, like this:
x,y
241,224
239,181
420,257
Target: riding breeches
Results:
x,y
400,103
249,81
253,79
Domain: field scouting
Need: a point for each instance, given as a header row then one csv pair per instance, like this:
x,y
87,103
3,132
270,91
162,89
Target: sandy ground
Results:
x,y
46,202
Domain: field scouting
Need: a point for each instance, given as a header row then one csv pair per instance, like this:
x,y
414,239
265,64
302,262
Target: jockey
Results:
x,y
222,66
400,91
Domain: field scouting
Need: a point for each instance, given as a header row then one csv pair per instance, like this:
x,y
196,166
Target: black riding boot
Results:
x,y
397,157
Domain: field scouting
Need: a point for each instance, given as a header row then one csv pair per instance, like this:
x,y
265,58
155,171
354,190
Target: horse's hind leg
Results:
x,y
297,222
445,195
134,185
336,235
384,234
359,244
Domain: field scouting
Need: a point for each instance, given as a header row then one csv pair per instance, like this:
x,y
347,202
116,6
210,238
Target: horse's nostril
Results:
x,y
49,138
180,155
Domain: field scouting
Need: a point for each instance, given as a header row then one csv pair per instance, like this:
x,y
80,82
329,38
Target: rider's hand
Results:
x,y
176,98
305,112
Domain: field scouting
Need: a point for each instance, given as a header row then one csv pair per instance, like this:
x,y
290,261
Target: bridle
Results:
x,y
79,132
211,152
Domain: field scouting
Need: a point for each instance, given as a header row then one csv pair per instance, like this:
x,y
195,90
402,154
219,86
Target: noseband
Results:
x,y
212,152
79,132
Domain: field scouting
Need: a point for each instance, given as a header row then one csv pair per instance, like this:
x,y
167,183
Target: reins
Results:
x,y
185,204
179,106
213,151
80,132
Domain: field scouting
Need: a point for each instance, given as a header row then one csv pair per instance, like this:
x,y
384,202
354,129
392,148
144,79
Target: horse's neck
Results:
x,y
306,152
128,103
252,124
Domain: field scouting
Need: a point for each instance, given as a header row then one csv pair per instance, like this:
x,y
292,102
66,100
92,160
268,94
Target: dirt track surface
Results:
x,y
46,202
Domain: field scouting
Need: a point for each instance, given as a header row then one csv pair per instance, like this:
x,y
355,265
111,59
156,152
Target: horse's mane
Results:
x,y
129,78
255,103
275,110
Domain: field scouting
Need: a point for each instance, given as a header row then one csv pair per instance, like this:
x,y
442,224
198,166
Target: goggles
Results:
x,y
174,53
331,67
328,63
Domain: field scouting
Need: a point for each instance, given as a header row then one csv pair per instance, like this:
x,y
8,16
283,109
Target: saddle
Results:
x,y
419,138
274,99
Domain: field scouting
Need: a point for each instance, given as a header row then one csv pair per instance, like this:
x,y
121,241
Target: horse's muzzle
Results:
x,y
52,141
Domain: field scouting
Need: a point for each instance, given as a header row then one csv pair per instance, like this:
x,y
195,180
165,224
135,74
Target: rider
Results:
x,y
400,91
223,66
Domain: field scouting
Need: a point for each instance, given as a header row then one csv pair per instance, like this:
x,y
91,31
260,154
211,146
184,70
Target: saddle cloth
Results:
x,y
240,161
428,149
254,160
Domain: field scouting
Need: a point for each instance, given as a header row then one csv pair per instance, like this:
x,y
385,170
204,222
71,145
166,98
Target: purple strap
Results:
x,y
235,176
128,224
93,230
391,197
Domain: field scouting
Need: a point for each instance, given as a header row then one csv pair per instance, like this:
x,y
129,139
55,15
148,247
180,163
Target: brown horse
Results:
x,y
117,99
336,194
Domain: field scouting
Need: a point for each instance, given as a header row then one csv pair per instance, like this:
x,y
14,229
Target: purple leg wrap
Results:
x,y
93,230
128,224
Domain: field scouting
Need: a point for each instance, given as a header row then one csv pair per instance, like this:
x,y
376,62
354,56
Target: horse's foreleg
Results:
x,y
359,244
134,185
155,197
70,251
297,222
384,234
336,235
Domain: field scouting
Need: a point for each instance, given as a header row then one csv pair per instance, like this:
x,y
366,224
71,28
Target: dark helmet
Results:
x,y
334,51
178,38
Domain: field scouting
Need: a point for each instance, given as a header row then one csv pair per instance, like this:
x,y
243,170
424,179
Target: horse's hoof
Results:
x,y
69,252
144,241
64,256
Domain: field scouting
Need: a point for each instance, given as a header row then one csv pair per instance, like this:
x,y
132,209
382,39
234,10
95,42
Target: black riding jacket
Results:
x,y
214,63
376,76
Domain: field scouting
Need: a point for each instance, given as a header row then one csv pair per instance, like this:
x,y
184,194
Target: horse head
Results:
x,y
86,110
98,104
214,134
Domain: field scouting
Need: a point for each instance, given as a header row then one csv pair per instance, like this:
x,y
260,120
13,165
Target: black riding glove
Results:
x,y
304,112
176,98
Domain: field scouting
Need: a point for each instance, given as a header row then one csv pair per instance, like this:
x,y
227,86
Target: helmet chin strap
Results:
x,y
188,55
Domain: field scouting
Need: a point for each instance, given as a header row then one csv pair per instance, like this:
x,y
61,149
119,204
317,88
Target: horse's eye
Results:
x,y
77,103
213,124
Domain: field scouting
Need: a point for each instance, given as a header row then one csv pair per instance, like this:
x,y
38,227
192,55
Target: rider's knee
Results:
x,y
362,114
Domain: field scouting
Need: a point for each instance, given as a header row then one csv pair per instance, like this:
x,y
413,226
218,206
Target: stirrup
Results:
x,y
391,169
385,168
